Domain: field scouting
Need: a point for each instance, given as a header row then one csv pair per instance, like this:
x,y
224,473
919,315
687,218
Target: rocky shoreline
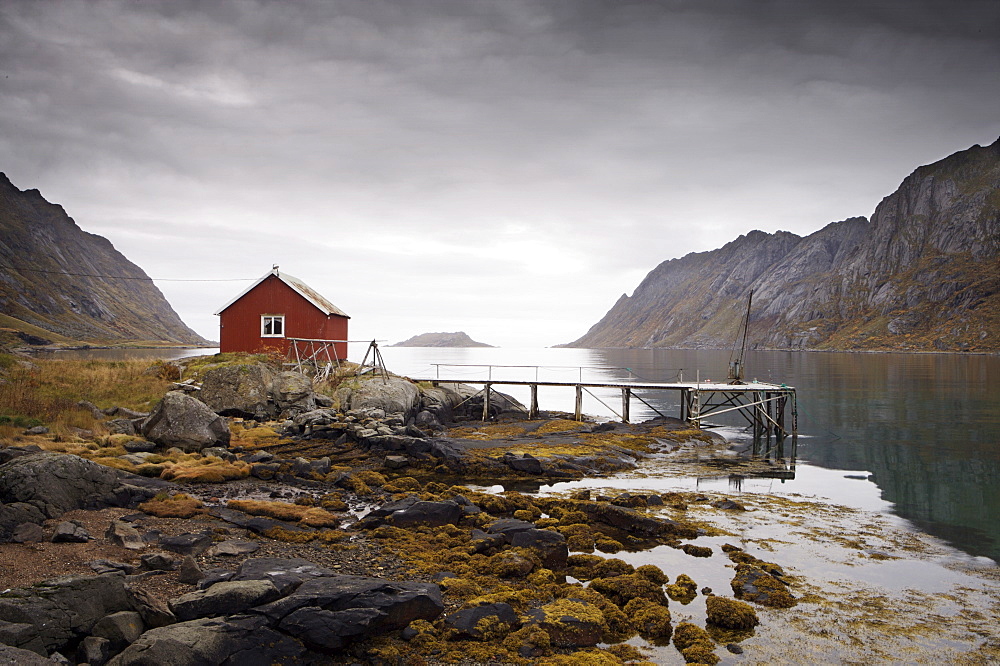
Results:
x,y
251,518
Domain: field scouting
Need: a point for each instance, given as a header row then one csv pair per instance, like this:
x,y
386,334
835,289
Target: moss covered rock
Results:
x,y
730,613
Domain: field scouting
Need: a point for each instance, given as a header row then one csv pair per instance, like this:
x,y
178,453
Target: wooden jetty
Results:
x,y
767,407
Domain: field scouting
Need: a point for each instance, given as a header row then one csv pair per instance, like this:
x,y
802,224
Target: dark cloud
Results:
x,y
492,149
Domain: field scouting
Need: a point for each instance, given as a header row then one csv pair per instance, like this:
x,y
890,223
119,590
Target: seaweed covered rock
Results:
x,y
571,622
730,614
329,612
650,619
483,623
684,589
548,545
633,522
623,589
694,644
752,583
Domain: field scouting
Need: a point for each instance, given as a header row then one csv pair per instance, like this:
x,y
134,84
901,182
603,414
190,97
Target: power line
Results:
x,y
125,277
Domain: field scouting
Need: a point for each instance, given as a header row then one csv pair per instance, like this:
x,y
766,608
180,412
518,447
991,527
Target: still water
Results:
x,y
917,435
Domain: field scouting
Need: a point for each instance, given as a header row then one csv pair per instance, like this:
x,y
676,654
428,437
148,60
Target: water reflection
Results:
x,y
927,426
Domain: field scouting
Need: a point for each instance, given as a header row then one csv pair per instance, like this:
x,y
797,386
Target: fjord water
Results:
x,y
923,428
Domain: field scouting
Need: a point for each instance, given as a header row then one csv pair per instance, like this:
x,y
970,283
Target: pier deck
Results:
x,y
763,405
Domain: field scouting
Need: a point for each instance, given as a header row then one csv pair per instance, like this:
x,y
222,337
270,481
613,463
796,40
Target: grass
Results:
x,y
46,392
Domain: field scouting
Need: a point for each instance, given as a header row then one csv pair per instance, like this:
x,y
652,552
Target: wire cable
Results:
x,y
124,277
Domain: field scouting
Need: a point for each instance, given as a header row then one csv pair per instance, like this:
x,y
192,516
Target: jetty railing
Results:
x,y
764,405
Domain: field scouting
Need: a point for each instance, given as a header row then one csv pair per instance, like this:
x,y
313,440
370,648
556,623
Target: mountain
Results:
x,y
459,339
59,278
922,274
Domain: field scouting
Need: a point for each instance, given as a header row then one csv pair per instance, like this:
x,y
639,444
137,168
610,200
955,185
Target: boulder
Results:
x,y
46,484
233,547
508,527
28,533
189,573
242,391
70,531
329,612
634,522
123,534
526,463
188,544
500,619
396,462
92,650
239,640
292,393
224,598
119,629
550,546
285,573
391,396
433,514
56,613
12,656
186,423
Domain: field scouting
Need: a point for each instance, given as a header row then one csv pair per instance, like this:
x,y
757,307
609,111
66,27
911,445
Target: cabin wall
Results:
x,y
239,324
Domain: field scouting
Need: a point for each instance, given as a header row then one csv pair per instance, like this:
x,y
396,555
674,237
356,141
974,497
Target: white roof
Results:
x,y
298,286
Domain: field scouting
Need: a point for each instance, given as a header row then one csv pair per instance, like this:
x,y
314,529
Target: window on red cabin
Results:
x,y
272,326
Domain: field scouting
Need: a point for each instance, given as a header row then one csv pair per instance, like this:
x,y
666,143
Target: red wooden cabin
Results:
x,y
275,308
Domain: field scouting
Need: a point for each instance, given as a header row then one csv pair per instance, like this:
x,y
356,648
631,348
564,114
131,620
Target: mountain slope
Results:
x,y
923,274
47,264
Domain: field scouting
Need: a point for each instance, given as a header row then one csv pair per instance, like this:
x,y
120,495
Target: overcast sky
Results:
x,y
504,167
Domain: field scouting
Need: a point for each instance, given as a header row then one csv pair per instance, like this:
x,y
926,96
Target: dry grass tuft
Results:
x,y
309,516
177,506
206,470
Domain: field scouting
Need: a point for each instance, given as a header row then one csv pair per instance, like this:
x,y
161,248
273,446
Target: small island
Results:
x,y
458,339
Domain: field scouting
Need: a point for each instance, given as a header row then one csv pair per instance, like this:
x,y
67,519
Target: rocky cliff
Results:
x,y
922,274
49,271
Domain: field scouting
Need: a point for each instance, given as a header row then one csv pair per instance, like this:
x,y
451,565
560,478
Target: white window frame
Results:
x,y
271,319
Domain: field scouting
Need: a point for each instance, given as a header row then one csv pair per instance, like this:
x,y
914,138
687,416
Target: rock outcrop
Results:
x,y
923,274
54,278
42,485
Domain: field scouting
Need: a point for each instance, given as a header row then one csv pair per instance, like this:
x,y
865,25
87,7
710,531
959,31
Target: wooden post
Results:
x,y
533,408
795,415
768,412
486,403
780,409
578,413
755,397
626,399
